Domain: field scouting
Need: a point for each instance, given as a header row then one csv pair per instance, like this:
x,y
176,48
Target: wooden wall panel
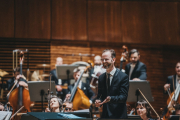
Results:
x,y
135,22
104,21
164,23
69,19
32,19
6,18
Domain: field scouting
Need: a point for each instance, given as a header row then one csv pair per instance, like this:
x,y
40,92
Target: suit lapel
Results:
x,y
115,76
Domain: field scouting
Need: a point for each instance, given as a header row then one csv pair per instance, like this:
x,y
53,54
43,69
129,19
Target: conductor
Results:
x,y
112,88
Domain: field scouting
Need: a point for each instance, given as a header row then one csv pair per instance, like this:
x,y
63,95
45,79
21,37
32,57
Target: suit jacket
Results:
x,y
86,89
118,91
170,81
138,72
10,83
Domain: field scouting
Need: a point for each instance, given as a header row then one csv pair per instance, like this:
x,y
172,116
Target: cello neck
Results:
x,y
75,87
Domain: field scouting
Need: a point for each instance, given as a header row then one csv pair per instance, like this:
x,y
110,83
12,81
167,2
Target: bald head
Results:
x,y
59,61
97,60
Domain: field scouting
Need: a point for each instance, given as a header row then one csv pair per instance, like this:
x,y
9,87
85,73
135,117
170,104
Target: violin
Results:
x,y
124,56
172,102
19,98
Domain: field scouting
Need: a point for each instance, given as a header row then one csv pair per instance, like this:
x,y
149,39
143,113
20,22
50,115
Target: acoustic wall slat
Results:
x,y
39,53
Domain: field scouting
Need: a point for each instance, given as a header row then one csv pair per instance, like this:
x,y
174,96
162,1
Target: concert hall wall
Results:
x,y
51,28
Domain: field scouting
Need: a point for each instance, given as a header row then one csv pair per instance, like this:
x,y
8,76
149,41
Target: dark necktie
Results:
x,y
108,81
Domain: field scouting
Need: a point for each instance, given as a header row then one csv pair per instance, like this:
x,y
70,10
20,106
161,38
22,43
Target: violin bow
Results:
x,y
149,104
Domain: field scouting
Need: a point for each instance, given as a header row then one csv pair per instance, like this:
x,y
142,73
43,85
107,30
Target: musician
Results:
x,y
69,107
143,110
173,80
16,77
136,70
83,86
112,88
55,104
97,67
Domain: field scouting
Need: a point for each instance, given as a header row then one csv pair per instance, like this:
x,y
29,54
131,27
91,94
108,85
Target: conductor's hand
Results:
x,y
166,86
59,88
98,103
106,100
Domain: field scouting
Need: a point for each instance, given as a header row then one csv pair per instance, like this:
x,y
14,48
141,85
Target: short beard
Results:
x,y
108,65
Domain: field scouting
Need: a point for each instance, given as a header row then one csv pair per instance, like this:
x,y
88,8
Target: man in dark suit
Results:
x,y
16,77
136,70
173,80
83,86
113,86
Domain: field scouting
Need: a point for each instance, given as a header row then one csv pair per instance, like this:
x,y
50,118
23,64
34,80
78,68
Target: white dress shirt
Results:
x,y
112,74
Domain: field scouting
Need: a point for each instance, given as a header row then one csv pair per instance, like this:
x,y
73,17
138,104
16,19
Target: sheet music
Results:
x,y
3,114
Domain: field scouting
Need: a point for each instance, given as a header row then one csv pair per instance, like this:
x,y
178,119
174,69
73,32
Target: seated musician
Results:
x,y
58,82
83,86
171,85
143,110
16,76
55,104
172,81
136,70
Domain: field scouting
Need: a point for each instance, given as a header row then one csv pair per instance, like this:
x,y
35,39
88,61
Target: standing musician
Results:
x,y
16,76
136,70
113,86
55,104
83,86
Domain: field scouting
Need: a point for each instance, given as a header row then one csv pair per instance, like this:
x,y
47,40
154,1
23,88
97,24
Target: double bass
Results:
x,y
19,98
78,98
124,56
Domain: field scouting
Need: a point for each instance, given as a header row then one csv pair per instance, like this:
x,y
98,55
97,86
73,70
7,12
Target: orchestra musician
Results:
x,y
136,70
83,86
143,110
58,82
171,84
16,76
55,104
97,67
173,80
112,88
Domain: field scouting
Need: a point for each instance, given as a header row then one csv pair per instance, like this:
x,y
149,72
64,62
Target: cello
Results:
x,y
19,98
78,98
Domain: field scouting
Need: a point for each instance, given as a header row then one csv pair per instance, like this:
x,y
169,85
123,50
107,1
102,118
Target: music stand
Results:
x,y
134,95
40,87
65,72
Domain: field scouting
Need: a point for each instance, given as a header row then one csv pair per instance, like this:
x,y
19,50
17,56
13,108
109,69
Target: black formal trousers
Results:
x,y
138,72
118,91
